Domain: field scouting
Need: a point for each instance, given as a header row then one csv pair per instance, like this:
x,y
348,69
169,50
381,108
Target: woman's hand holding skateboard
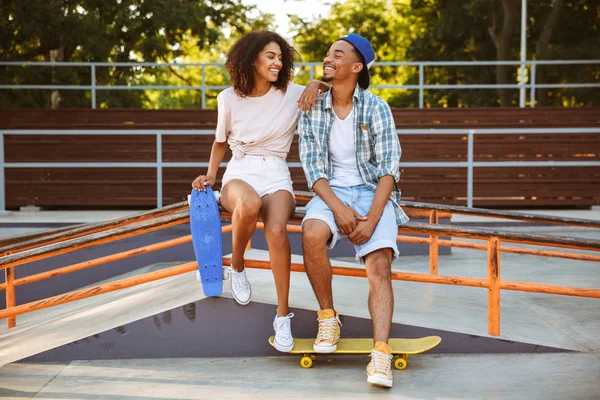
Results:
x,y
203,180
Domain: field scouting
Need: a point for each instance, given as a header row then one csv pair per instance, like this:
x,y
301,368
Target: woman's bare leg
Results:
x,y
242,201
276,211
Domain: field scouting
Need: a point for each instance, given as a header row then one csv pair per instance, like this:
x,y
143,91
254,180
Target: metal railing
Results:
x,y
159,164
95,234
527,68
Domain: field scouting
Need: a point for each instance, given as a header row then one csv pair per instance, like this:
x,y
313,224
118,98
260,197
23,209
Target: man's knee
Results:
x,y
379,265
315,234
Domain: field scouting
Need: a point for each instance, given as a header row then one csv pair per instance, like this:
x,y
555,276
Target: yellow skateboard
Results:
x,y
401,348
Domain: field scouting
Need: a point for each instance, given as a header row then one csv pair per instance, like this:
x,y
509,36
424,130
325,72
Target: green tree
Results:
x,y
104,30
487,30
451,31
387,23
192,75
467,30
565,30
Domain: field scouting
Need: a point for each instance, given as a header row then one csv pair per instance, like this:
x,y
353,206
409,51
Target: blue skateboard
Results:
x,y
205,224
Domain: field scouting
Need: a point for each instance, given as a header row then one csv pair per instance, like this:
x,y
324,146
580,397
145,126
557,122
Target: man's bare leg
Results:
x,y
315,235
381,294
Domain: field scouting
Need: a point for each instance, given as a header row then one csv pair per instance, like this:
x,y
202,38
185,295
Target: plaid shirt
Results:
x,y
377,146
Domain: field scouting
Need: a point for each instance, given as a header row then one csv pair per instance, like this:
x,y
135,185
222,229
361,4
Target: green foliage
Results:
x,y
192,76
576,37
460,31
387,23
106,30
454,31
203,31
451,30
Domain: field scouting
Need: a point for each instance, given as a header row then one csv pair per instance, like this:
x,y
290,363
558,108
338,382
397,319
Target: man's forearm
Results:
x,y
382,195
324,191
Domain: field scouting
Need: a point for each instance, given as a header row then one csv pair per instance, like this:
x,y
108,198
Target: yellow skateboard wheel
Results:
x,y
400,363
306,362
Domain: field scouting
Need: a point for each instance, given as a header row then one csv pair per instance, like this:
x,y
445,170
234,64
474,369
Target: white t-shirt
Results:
x,y
343,152
262,126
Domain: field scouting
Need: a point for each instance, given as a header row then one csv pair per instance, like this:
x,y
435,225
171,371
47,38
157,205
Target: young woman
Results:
x,y
257,118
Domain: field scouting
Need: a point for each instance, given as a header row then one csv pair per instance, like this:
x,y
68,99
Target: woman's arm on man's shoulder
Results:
x,y
308,98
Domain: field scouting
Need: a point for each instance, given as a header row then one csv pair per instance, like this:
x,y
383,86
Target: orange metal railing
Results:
x,y
94,234
12,245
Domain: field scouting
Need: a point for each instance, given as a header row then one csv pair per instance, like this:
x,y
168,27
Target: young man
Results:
x,y
350,154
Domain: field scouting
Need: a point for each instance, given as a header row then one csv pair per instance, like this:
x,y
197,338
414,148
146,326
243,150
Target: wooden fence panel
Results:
x,y
136,187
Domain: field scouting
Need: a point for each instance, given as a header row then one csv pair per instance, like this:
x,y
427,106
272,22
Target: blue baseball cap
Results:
x,y
366,51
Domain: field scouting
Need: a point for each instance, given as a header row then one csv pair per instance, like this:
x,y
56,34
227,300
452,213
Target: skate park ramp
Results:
x,y
172,318
164,339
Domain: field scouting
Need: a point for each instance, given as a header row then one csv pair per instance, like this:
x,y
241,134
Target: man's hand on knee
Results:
x,y
363,232
346,219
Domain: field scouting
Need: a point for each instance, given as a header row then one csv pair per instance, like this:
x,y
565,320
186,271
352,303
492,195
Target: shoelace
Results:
x,y
284,328
381,362
327,328
239,279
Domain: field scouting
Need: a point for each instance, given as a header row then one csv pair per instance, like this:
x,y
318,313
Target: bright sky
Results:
x,y
306,9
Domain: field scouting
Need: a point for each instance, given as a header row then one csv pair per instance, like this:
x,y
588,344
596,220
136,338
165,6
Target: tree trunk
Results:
x,y
501,38
541,48
55,56
453,96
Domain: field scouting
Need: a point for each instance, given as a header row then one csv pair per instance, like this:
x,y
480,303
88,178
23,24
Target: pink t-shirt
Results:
x,y
262,126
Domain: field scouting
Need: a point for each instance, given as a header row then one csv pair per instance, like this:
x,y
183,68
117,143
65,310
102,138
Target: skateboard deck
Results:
x,y
401,348
205,225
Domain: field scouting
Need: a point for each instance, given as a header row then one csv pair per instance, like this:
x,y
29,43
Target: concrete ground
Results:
x,y
497,377
559,321
563,322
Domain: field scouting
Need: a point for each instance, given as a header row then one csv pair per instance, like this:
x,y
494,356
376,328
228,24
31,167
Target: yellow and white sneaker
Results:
x,y
329,332
379,370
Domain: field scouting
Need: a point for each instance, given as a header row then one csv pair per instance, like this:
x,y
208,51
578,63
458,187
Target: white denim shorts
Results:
x,y
266,175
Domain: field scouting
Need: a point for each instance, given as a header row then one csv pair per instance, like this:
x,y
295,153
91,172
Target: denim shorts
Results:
x,y
360,199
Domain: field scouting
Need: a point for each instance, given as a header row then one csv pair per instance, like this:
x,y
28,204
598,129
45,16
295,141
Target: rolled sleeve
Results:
x,y
387,145
310,154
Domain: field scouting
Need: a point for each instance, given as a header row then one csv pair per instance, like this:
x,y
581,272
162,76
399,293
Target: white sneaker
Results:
x,y
284,341
240,287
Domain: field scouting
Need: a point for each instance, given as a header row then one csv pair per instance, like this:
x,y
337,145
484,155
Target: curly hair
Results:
x,y
243,53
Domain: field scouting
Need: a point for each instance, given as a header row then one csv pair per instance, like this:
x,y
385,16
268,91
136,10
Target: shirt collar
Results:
x,y
328,101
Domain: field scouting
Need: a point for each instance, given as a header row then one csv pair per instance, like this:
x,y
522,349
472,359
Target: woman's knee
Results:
x,y
276,234
248,208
